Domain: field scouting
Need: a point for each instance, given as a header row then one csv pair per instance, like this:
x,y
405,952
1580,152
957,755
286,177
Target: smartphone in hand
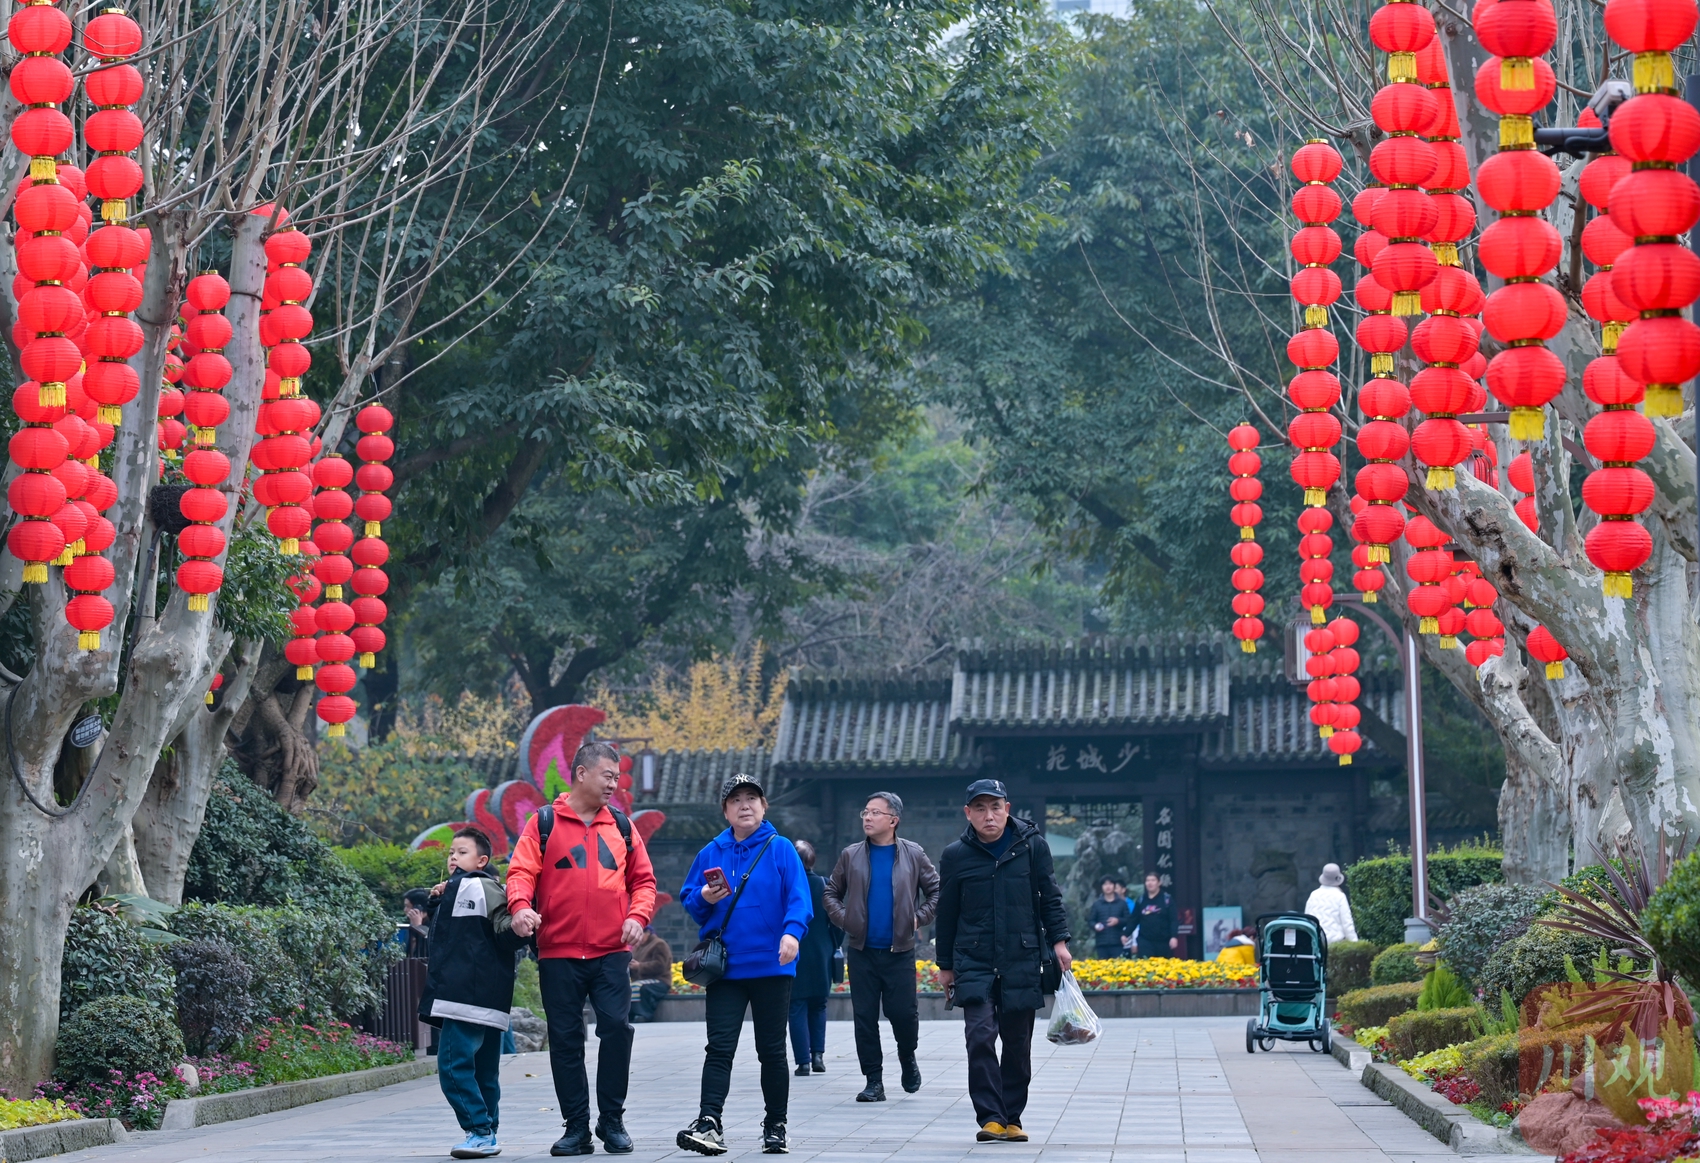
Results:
x,y
715,878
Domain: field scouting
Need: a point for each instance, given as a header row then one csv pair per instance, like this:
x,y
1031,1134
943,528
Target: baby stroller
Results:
x,y
1292,962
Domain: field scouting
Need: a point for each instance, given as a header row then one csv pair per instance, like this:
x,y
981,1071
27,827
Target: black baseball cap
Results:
x,y
986,787
741,781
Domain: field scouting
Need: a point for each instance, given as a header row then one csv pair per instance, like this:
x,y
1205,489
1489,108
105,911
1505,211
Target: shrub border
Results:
x,y
1451,1124
182,1114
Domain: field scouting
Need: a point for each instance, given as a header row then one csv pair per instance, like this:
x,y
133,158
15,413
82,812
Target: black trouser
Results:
x,y
769,1001
566,982
998,1090
646,999
878,975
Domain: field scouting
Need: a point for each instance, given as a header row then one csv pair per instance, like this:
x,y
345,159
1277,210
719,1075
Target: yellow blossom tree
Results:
x,y
718,705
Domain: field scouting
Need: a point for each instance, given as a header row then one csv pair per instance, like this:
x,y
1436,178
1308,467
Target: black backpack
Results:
x,y
546,825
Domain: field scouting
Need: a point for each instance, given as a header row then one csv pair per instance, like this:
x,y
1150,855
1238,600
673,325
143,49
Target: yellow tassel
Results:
x,y
115,210
88,640
1379,555
304,673
376,529
1618,585
368,660
1653,73
290,386
1316,316
1528,424
289,546
1441,477
1345,761
1516,131
43,169
1369,598
209,698
1663,400
1317,617
333,593
1610,332
36,572
1517,73
337,731
77,548
1407,303
1445,253
52,395
64,558
1316,498
198,602
1381,363
1247,532
205,436
1324,731
93,461
1555,670
1448,642
111,414
1429,626
1402,68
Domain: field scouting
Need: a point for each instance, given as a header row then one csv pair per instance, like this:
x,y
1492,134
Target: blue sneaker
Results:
x,y
477,1147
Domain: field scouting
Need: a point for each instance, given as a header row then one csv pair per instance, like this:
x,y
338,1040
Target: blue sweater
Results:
x,y
775,903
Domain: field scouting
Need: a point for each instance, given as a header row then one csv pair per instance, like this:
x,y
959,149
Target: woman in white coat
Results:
x,y
1328,904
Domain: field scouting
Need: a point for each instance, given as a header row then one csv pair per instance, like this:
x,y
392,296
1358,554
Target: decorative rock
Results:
x,y
191,1077
531,1033
1557,1124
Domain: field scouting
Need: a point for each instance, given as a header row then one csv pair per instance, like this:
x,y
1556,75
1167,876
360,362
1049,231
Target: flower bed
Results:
x,y
136,1100
33,1112
1093,975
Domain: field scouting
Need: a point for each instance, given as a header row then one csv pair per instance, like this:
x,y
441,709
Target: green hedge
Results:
x,y
1672,919
1394,964
1481,916
1492,1063
1377,1005
1380,889
389,870
105,956
1424,1031
1348,965
1535,958
127,1034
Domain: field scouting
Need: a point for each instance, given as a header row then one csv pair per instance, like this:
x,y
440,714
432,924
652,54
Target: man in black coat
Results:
x,y
999,910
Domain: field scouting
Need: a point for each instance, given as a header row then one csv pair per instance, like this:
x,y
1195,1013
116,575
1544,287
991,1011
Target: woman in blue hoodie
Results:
x,y
762,936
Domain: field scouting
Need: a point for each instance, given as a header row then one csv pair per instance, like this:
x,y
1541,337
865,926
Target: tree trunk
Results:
x,y
271,738
169,819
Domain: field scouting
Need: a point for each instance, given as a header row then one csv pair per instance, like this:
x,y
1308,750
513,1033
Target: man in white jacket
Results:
x,y
1328,904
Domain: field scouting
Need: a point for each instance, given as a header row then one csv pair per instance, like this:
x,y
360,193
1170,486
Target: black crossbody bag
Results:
x,y
706,964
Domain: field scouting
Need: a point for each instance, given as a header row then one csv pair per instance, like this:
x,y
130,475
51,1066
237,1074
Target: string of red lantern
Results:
x,y
1520,183
286,423
1521,473
1381,483
205,375
1344,740
172,432
1481,620
1367,577
1429,566
1543,647
1315,390
370,553
1403,109
1247,554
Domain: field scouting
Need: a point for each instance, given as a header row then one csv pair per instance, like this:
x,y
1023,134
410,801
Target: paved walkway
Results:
x,y
1149,1091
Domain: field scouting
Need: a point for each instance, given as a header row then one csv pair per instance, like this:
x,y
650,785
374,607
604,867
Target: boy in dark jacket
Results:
x,y
469,989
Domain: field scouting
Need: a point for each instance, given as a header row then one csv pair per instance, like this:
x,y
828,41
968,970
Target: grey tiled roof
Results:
x,y
1109,682
694,777
867,723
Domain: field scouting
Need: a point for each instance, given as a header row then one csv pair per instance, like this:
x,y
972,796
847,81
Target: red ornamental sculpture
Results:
x,y
1543,647
1520,183
1314,390
1246,554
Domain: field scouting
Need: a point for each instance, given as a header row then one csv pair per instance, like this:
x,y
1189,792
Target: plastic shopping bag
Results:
x,y
1072,1021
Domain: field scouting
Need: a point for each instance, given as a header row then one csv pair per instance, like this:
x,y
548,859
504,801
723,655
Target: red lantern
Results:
x,y
1543,647
336,710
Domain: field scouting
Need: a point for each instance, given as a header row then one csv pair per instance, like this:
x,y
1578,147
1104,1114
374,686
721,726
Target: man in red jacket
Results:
x,y
587,898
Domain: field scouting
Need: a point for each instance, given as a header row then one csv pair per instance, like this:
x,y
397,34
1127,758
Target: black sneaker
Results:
x,y
611,1129
873,1092
773,1139
703,1137
911,1075
576,1141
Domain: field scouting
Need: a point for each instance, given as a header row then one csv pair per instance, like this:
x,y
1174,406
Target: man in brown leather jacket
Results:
x,y
880,893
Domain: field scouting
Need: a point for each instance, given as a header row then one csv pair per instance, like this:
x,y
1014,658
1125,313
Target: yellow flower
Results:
x,y
33,1113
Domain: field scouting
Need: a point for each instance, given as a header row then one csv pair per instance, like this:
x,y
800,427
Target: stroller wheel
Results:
x,y
1266,1044
1316,1045
1251,1036
1327,1038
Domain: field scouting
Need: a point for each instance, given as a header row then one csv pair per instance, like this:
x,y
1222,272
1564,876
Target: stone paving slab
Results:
x,y
1150,1091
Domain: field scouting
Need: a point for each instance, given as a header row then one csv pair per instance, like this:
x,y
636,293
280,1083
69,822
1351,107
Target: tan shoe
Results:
x,y
991,1133
1014,1134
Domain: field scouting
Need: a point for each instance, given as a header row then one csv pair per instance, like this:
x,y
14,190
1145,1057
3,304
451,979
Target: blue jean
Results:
x,y
808,1028
469,1059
